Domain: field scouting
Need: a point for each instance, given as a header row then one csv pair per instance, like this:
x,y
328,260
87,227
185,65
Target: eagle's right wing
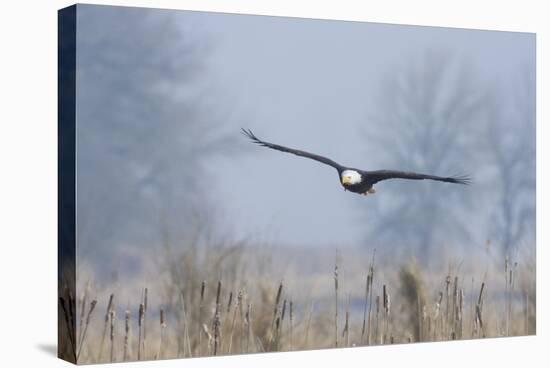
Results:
x,y
296,152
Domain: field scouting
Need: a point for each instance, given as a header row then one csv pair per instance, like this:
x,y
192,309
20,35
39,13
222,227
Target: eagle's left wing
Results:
x,y
379,175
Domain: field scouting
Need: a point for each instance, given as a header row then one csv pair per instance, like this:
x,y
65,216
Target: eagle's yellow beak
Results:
x,y
345,179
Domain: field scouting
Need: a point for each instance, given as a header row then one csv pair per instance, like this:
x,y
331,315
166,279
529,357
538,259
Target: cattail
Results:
x,y
162,327
112,316
83,338
217,320
126,336
105,326
447,296
229,302
370,282
201,306
141,318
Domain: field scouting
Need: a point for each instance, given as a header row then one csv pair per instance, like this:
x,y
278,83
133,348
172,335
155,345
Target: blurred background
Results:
x,y
162,96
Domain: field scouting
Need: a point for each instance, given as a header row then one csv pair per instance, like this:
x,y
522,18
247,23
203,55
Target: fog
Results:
x,y
162,95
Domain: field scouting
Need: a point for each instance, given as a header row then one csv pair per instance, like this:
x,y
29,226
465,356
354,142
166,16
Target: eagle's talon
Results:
x,y
371,191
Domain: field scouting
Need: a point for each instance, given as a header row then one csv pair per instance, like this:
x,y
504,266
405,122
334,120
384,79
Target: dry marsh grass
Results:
x,y
218,306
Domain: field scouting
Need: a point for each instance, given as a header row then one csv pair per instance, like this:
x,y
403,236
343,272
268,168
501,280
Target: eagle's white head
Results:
x,y
350,177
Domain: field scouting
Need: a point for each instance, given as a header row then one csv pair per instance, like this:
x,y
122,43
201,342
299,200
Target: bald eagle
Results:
x,y
355,180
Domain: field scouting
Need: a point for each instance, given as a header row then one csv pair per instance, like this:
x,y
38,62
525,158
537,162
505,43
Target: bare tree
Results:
x,y
511,133
425,118
145,125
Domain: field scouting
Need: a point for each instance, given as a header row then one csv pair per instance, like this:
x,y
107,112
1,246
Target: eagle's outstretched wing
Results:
x,y
379,175
277,147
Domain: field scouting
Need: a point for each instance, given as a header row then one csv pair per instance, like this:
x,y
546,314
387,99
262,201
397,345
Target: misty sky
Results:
x,y
307,84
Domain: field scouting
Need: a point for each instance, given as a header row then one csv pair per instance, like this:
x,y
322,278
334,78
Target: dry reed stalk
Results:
x,y
72,324
387,308
185,326
291,319
281,326
162,328
144,323
217,320
106,325
437,315
376,328
112,316
368,297
248,323
209,336
277,301
454,308
336,305
82,315
225,322
275,343
274,329
506,293
88,316
239,299
510,299
461,313
371,273
364,327
479,305
308,323
201,306
126,354
473,310
345,332
141,317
